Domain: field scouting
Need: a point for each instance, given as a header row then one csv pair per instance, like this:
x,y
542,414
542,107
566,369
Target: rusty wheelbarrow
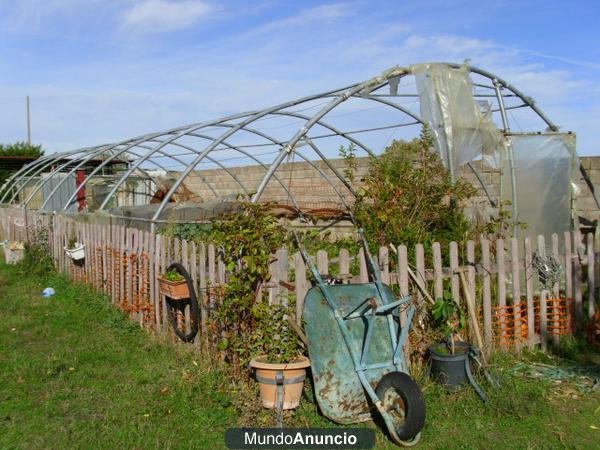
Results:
x,y
355,344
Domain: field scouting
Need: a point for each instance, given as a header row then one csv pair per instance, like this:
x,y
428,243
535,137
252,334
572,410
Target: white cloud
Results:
x,y
163,15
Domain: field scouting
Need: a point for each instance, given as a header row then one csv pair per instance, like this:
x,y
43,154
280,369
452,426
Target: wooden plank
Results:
x,y
364,273
323,262
516,287
301,286
344,265
438,281
162,265
487,294
544,319
185,263
402,270
274,286
591,274
194,275
501,287
455,278
121,247
556,255
384,265
529,293
556,285
471,269
212,274
283,270
203,298
153,292
577,280
568,265
420,262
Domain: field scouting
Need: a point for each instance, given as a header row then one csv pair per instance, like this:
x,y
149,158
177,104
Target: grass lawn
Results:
x,y
75,373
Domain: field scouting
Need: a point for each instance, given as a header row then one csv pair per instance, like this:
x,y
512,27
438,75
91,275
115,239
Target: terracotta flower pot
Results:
x,y
294,374
176,290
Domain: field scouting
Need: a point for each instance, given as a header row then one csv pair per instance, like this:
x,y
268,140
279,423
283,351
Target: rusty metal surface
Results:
x,y
339,391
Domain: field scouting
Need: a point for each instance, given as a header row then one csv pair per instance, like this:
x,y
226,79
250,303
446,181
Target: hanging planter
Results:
x,y
279,381
173,285
76,252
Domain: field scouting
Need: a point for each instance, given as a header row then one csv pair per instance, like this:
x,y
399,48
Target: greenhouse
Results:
x,y
483,128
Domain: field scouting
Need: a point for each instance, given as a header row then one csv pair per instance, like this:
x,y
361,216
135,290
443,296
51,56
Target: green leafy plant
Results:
x,y
38,259
173,275
72,241
408,197
272,335
449,317
350,162
247,241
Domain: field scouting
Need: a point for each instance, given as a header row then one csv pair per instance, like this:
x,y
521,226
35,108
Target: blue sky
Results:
x,y
101,70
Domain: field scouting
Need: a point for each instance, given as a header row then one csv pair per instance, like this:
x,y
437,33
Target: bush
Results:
x,y
408,197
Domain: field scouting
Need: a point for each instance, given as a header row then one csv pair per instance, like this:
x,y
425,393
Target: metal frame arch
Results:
x,y
43,167
201,156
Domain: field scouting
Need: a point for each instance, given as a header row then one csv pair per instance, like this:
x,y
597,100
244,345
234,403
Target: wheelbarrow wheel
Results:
x,y
403,401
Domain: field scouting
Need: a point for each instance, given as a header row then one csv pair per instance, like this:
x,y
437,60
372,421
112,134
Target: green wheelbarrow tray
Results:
x,y
356,347
338,388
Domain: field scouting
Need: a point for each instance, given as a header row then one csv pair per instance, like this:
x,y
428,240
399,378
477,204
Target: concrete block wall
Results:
x,y
312,190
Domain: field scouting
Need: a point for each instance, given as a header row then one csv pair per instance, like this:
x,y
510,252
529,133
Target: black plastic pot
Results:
x,y
450,369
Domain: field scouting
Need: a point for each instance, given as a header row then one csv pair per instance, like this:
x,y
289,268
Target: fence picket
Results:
x,y
591,273
438,283
529,293
501,288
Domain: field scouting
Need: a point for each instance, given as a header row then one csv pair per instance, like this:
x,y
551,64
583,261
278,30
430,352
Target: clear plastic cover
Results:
x,y
462,132
545,166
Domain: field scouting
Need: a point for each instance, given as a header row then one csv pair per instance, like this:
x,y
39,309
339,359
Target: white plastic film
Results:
x,y
461,131
544,166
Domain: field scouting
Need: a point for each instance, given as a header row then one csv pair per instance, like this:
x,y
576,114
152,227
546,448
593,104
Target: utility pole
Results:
x,y
28,123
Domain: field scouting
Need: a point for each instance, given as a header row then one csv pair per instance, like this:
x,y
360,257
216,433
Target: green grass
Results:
x,y
74,372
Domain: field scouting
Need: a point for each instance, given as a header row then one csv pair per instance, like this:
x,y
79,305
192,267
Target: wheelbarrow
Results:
x,y
355,344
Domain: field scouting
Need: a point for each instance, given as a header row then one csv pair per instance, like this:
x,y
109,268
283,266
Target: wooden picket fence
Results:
x,y
515,307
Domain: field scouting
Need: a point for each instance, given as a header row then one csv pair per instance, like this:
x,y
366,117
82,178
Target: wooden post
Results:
x,y
301,286
455,279
322,262
577,280
403,269
384,264
544,319
345,274
529,289
568,265
438,282
591,273
516,289
555,288
487,296
420,260
283,269
501,288
203,298
364,274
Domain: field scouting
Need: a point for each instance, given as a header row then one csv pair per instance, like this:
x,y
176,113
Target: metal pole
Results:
x,y
28,123
511,157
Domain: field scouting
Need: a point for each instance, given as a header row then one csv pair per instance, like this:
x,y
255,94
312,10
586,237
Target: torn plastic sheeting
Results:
x,y
461,131
544,166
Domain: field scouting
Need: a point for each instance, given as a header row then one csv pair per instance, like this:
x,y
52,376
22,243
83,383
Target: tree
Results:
x,y
17,149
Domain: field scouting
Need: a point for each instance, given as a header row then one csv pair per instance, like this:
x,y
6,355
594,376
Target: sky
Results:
x,y
102,70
